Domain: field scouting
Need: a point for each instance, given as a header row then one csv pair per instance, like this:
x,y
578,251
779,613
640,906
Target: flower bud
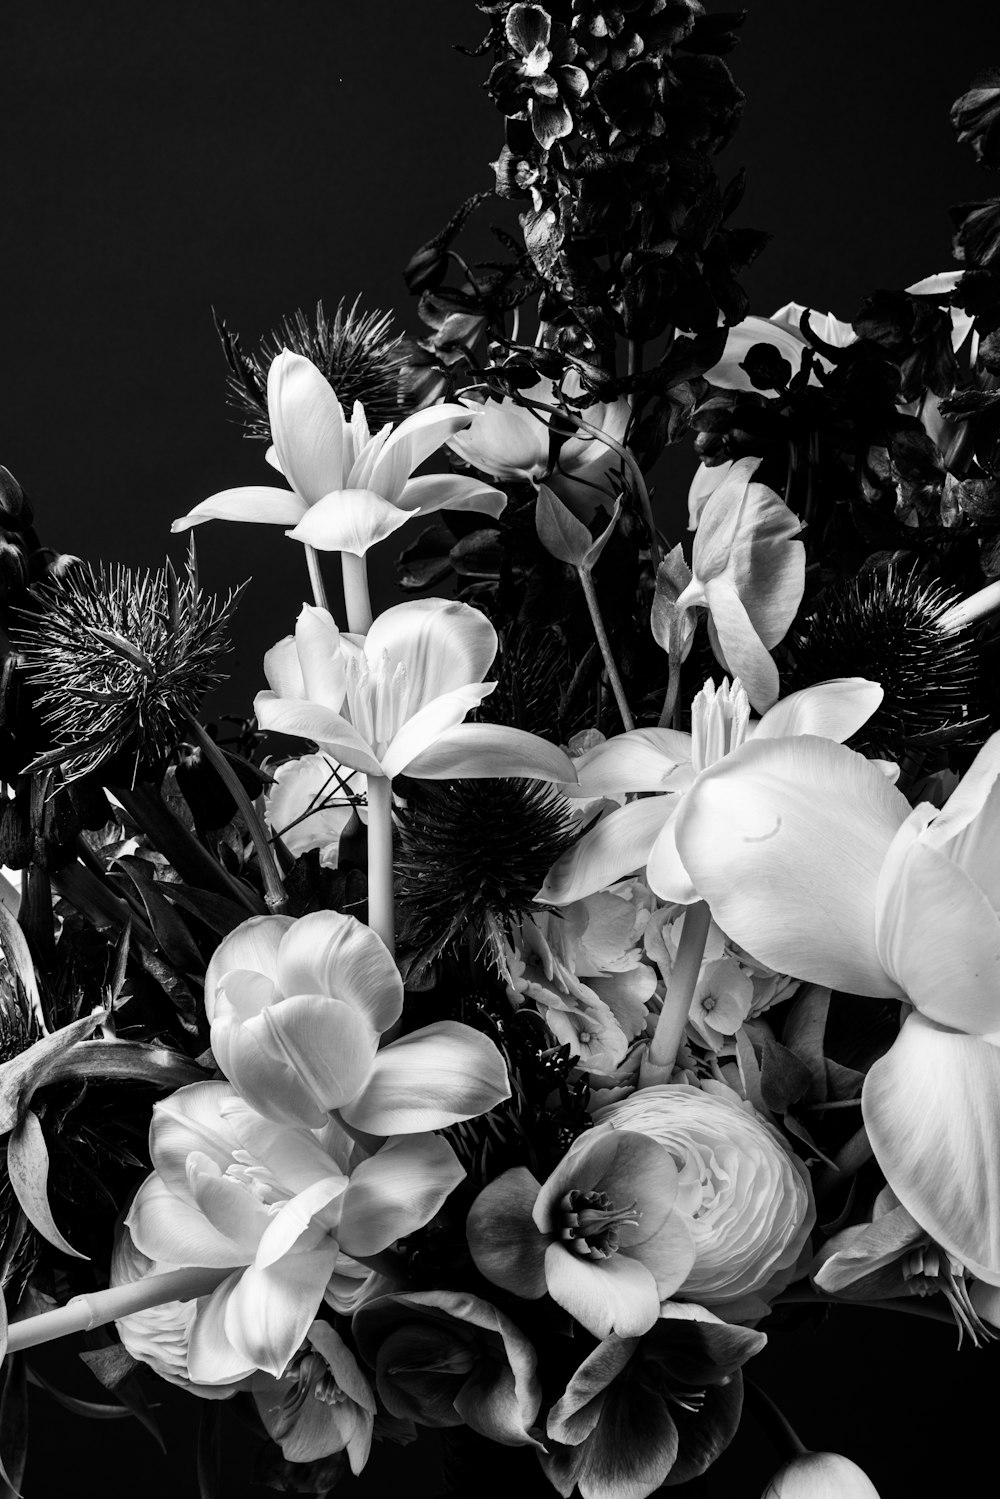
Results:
x,y
15,507
820,1475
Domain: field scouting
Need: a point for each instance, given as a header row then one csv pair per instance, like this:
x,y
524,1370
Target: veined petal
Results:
x,y
831,710
396,1191
614,1295
211,1358
172,1229
743,653
968,827
282,670
785,839
307,425
427,725
441,644
228,1206
930,1108
617,846
270,1086
303,720
317,645
639,760
450,492
291,1153
326,952
253,946
349,520
415,439
328,1044
474,751
506,440
665,870
271,1307
294,1225
258,503
429,1079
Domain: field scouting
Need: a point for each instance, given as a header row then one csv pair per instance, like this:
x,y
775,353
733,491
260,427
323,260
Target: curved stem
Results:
x,y
381,913
587,584
910,1306
99,1307
316,579
680,992
781,1431
666,718
357,599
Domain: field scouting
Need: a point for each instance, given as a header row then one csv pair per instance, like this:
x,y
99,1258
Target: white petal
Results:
x,y
474,751
270,1086
326,952
350,520
211,1358
427,726
665,872
930,1108
317,644
254,502
728,375
165,1227
429,1079
270,1309
396,1191
832,710
415,439
451,492
253,946
227,1205
328,1044
442,645
505,440
615,1295
743,653
282,670
704,484
303,720
294,1226
617,846
639,760
307,425
190,1119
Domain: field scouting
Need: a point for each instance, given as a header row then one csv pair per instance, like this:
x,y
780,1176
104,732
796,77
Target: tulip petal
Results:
x,y
166,1227
211,1358
270,1086
451,492
321,662
227,1205
327,1043
190,1119
307,426
294,1226
640,760
429,1079
785,839
415,439
252,946
474,751
426,727
291,1153
831,710
326,952
349,520
282,670
258,503
302,720
614,1295
665,872
270,1309
618,845
968,828
396,1191
930,1108
442,646
740,648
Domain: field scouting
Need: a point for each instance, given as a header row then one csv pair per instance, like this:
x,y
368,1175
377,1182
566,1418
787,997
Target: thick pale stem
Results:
x,y
357,599
666,719
100,1307
680,992
381,913
316,579
274,886
971,610
617,688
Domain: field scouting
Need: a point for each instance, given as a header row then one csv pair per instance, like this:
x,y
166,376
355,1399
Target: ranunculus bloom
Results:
x,y
669,762
601,1236
275,1206
810,858
394,700
820,1475
749,573
349,489
321,1404
297,1009
746,1199
445,1358
640,1412
310,802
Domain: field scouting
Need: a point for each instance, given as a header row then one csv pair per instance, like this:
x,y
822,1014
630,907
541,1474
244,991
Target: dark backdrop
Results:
x,y
157,162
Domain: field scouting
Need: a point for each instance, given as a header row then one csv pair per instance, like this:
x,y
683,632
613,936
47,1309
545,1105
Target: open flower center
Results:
x,y
719,719
590,1224
378,696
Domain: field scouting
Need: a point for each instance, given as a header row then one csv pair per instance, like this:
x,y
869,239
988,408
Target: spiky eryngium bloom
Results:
x,y
116,658
883,625
534,673
473,852
357,351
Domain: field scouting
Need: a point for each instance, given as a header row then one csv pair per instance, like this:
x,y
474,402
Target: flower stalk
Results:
x,y
659,1061
971,611
610,665
357,599
98,1308
316,578
381,913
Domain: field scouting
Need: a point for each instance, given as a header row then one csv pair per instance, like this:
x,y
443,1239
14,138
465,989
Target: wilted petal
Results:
x,y
396,1191
281,715
830,710
785,839
258,503
618,845
442,645
426,727
326,952
614,1295
640,760
307,426
270,1309
349,520
451,492
429,1079
930,1108
473,751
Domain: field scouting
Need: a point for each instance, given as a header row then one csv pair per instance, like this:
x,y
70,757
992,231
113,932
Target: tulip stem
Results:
x,y
773,1419
673,1017
381,914
99,1307
357,599
910,1306
316,579
274,885
971,610
590,594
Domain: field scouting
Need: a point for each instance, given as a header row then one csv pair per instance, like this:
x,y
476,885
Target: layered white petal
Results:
x,y
639,760
474,751
307,426
415,439
190,1119
270,1308
252,946
830,710
740,648
451,492
396,1191
429,1079
349,520
169,1228
326,952
442,645
429,723
320,660
618,845
304,720
258,503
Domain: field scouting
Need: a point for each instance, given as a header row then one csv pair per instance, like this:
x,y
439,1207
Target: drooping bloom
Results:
x,y
669,762
600,1236
275,1206
394,700
810,857
321,1404
745,1197
297,1010
349,489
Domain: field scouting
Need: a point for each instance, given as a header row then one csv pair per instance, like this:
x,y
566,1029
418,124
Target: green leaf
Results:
x,y
218,913
28,1168
783,1077
93,1409
130,1061
23,1074
18,957
169,930
13,1426
559,531
804,1032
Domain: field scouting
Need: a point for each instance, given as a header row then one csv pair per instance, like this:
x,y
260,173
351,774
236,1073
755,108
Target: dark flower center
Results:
x,y
589,1223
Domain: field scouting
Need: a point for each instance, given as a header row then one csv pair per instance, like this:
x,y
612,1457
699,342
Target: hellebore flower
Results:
x,y
297,1009
640,1412
444,1358
349,489
600,1236
749,573
309,804
745,1197
811,858
669,762
542,80
820,1475
321,1404
394,700
232,1189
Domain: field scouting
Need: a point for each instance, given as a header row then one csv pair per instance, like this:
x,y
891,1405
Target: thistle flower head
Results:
x,y
356,351
117,658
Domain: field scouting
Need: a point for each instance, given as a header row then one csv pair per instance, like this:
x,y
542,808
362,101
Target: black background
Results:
x,y
156,162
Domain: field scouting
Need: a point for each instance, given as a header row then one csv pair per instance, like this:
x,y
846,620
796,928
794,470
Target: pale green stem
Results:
x,y
969,611
100,1307
356,596
381,913
274,887
587,583
680,992
666,719
316,579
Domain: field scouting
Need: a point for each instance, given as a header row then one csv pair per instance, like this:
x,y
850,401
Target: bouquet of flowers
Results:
x,y
577,973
